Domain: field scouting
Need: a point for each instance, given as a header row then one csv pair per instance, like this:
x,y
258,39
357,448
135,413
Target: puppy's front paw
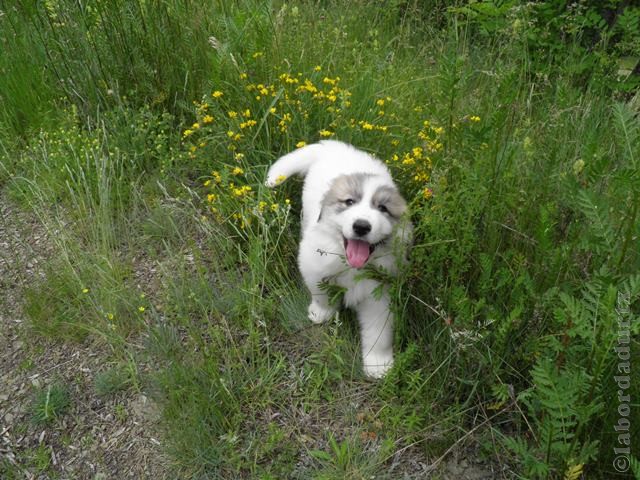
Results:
x,y
319,314
376,366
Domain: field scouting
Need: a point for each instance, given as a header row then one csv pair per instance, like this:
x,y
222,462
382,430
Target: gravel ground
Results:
x,y
114,436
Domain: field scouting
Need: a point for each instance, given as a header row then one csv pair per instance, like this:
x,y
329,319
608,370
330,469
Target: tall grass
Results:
x,y
147,145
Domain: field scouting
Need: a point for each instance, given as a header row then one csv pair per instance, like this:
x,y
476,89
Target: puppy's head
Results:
x,y
364,209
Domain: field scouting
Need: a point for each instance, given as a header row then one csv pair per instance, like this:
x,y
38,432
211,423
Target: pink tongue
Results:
x,y
357,253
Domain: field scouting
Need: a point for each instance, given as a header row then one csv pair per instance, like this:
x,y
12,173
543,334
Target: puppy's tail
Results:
x,y
297,162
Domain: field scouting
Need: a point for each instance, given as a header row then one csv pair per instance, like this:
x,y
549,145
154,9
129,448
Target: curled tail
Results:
x,y
297,162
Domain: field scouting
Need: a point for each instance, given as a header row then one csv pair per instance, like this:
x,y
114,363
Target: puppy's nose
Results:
x,y
361,227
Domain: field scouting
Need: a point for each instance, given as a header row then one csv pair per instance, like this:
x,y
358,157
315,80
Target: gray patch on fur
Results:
x,y
391,199
343,188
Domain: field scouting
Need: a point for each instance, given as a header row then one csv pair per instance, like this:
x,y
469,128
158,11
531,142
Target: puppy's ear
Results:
x,y
391,199
403,229
396,205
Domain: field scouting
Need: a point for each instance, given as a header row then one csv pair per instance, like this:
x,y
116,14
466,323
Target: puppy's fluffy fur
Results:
x,y
352,216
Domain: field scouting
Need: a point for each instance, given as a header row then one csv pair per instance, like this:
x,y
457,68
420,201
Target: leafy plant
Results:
x,y
112,380
50,403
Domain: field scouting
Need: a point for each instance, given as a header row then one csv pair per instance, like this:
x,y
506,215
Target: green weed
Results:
x,y
50,403
144,155
113,380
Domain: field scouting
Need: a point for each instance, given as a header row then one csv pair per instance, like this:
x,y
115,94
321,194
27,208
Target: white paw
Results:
x,y
274,180
319,314
376,366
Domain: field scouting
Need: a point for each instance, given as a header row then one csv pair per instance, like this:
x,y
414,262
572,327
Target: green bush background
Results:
x,y
140,132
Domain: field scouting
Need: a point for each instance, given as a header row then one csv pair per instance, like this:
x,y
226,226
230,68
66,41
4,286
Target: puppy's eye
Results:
x,y
348,202
383,208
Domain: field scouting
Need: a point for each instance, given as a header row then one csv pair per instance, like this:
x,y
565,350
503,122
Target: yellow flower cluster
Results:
x,y
280,112
242,191
415,164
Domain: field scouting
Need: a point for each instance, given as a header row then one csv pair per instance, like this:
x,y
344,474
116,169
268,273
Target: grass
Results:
x,y
50,403
143,149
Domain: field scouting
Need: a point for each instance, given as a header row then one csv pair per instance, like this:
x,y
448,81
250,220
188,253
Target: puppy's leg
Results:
x,y
376,332
312,268
319,309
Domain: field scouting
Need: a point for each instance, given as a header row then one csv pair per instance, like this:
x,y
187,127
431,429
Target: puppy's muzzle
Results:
x,y
361,227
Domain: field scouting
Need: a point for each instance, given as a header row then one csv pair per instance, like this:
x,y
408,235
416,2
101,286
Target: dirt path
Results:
x,y
114,436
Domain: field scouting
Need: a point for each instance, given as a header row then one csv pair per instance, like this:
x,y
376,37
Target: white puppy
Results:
x,y
352,216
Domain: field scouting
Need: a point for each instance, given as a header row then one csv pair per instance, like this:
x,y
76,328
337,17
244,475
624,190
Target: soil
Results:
x,y
98,437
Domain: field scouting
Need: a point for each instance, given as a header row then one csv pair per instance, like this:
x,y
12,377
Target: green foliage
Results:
x,y
81,295
144,154
50,403
559,413
349,458
591,38
113,380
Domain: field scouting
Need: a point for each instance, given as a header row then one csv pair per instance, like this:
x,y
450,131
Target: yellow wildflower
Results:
x,y
217,94
237,171
474,118
325,133
317,68
241,191
207,119
85,290
232,114
301,144
248,123
207,183
141,309
211,197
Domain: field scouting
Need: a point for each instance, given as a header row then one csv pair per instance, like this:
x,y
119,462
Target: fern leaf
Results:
x,y
631,286
627,130
635,467
573,472
597,216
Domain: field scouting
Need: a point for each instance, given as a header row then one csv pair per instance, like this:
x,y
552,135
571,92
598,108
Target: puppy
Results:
x,y
352,216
